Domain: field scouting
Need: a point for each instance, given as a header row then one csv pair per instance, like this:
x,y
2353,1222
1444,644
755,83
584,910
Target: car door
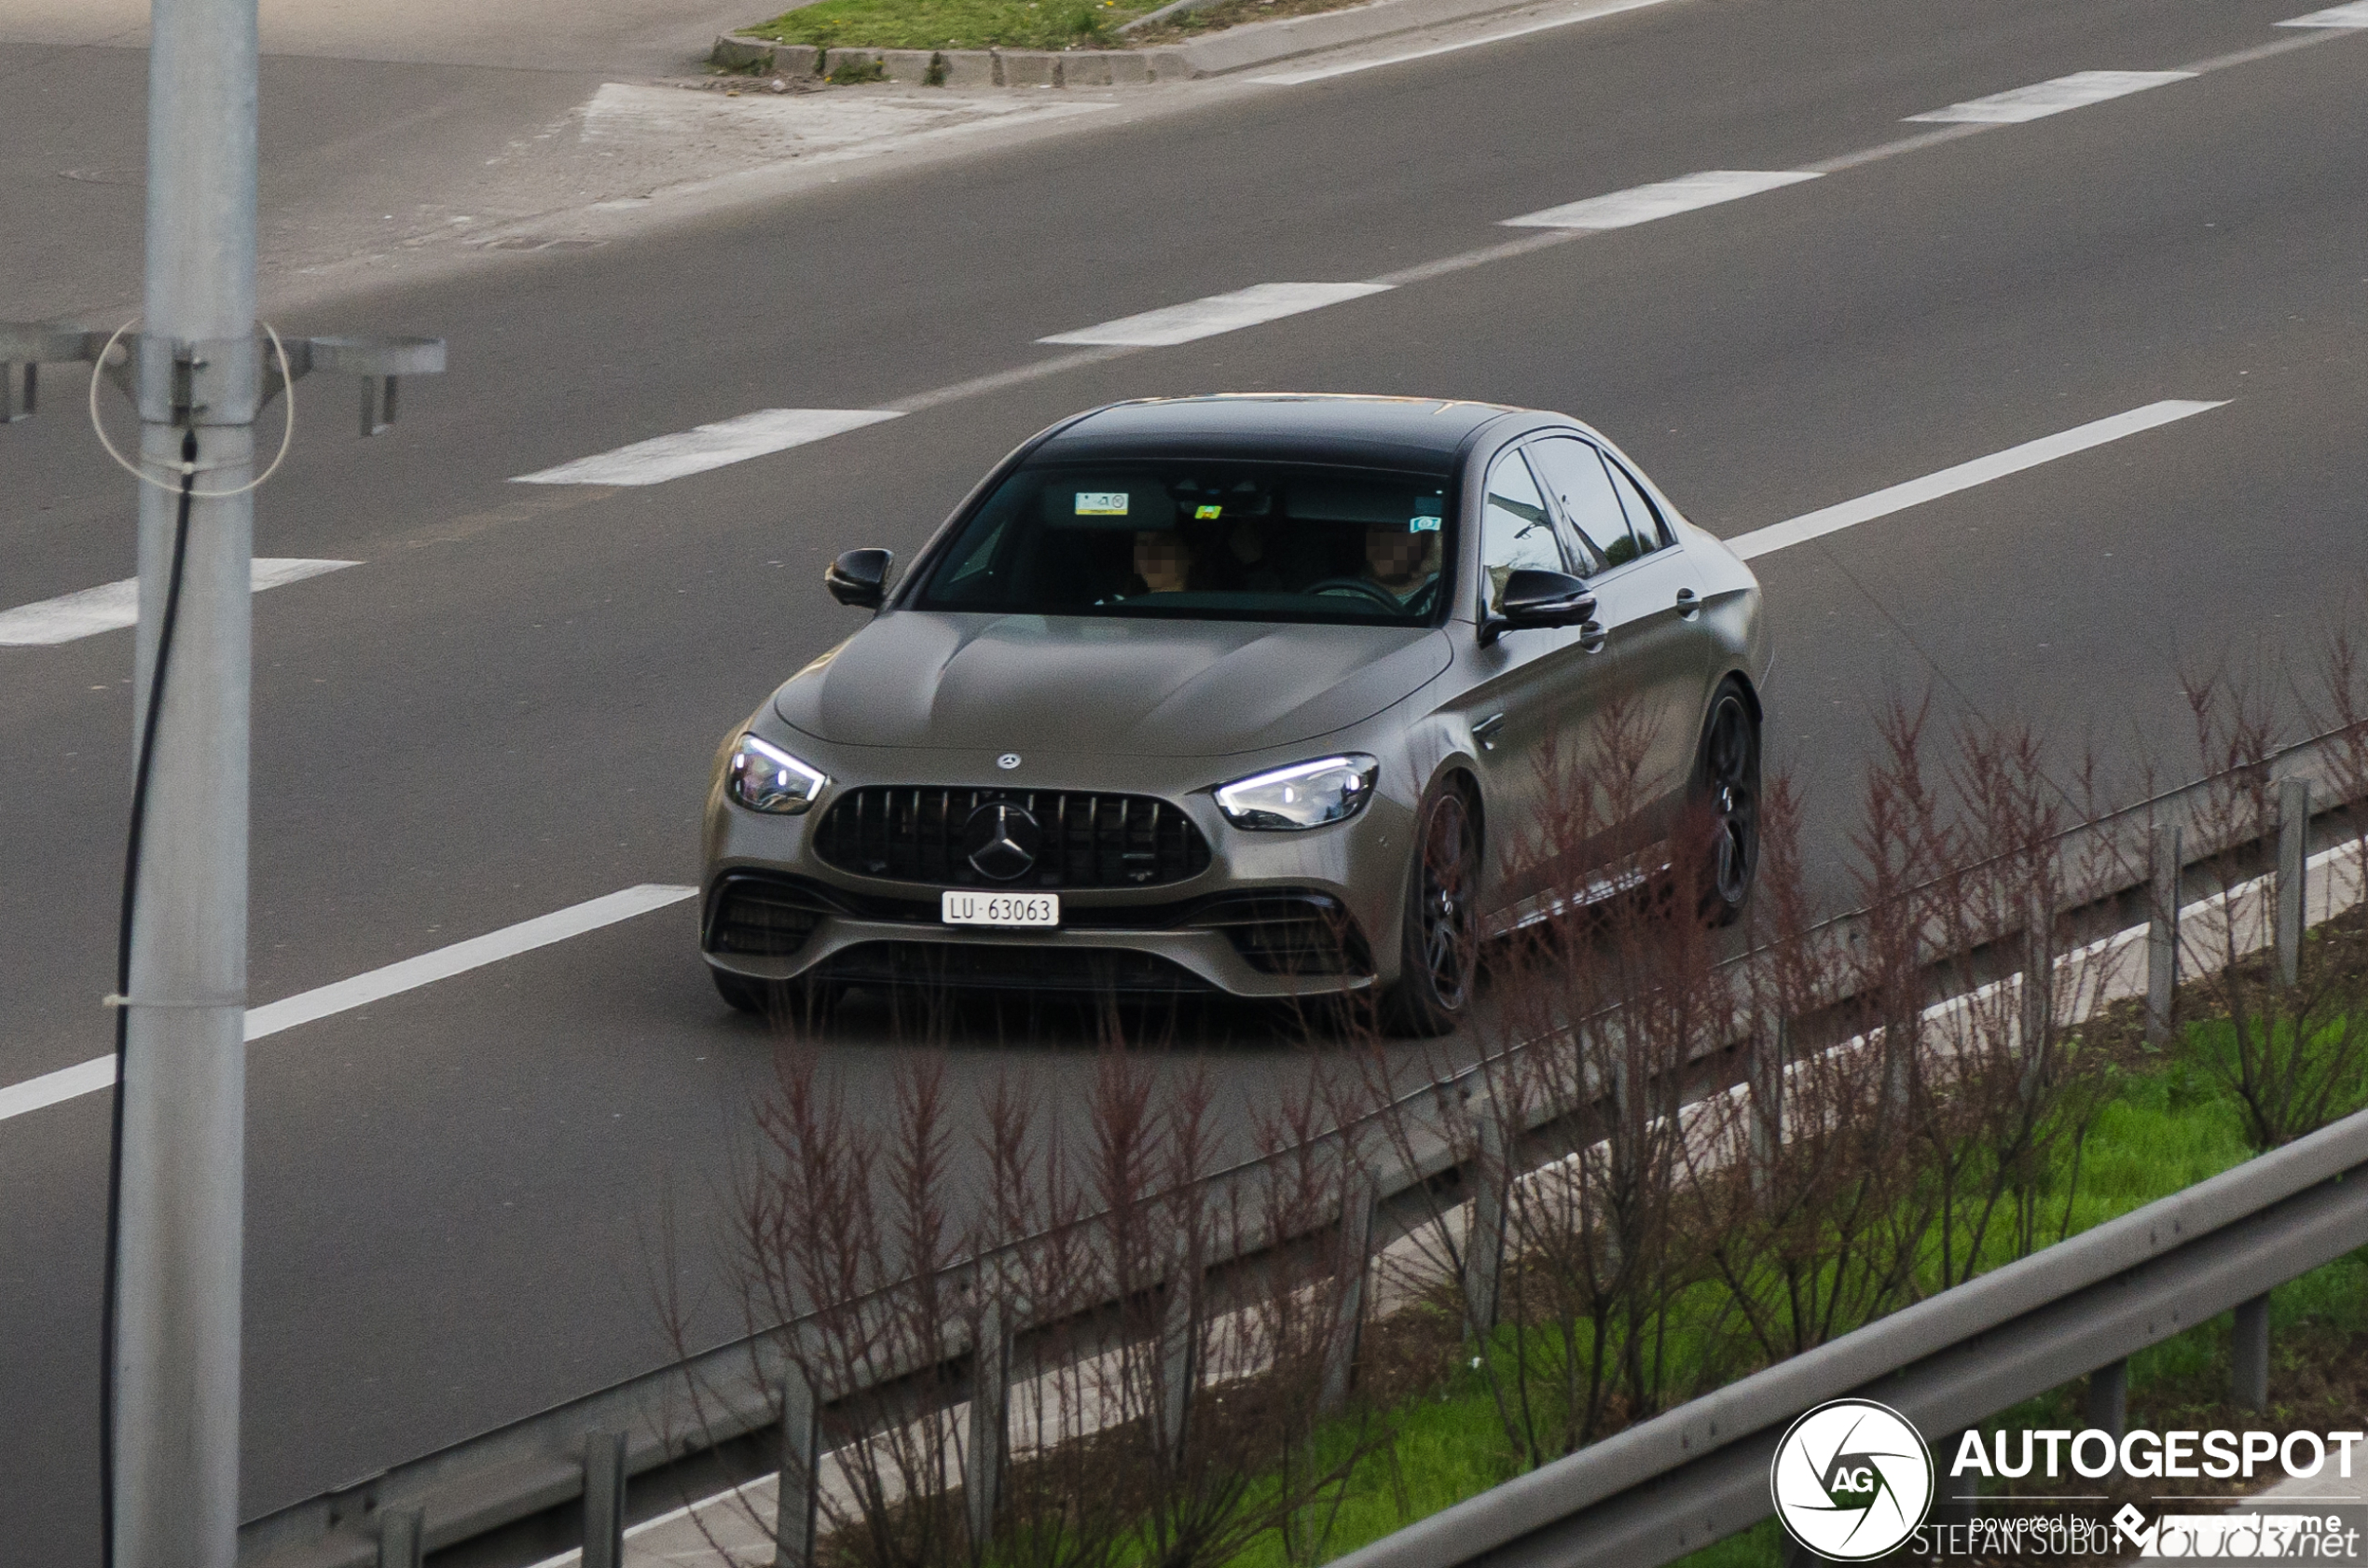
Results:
x,y
1524,693
1648,603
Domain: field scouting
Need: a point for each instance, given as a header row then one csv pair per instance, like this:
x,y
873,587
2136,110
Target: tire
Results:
x,y
1725,792
1438,944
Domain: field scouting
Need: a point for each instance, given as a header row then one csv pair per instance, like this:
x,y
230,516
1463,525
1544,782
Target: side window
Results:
x,y
972,575
1644,517
1575,472
1516,531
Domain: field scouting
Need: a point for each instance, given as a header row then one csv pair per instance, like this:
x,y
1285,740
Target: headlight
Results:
x,y
1306,796
768,779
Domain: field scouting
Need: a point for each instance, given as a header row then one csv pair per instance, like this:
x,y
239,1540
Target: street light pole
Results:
x,y
174,1488
176,1219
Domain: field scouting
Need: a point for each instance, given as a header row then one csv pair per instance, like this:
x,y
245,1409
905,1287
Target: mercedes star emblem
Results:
x,y
1008,761
1001,841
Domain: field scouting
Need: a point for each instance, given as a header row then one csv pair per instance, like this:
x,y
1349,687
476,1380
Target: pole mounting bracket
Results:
x,y
25,347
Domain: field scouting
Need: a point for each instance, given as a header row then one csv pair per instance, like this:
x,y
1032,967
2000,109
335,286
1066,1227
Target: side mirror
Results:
x,y
860,577
1538,598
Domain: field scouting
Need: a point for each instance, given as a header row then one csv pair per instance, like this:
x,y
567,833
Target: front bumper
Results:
x,y
1273,915
765,924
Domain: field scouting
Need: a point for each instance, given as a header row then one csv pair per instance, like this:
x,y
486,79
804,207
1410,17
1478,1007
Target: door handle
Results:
x,y
1485,731
1689,605
1591,635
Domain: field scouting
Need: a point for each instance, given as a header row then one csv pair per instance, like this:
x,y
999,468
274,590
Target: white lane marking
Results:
x,y
694,452
1661,199
2335,16
2036,101
66,1083
89,1078
1319,72
1965,476
111,606
1219,313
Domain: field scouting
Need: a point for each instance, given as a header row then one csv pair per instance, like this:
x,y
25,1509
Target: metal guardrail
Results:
x,y
1699,1473
536,1465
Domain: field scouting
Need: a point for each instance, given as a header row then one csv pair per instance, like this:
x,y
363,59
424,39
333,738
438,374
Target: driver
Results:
x,y
1163,561
1401,560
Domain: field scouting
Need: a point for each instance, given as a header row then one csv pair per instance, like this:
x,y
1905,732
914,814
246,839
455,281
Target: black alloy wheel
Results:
x,y
1440,948
1726,786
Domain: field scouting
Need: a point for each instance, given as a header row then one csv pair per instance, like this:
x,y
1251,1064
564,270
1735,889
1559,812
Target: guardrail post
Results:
x,y
2108,1398
990,1422
1484,1248
798,1488
1348,1306
2249,1353
399,1538
1770,1048
604,1500
2294,853
2038,990
1179,1349
2164,854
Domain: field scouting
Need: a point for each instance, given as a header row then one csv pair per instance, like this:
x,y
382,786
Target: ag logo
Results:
x,y
1852,1480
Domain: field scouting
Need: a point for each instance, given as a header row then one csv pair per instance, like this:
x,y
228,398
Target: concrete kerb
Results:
x,y
1222,53
957,68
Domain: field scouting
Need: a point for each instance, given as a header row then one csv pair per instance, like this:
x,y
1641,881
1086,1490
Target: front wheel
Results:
x,y
1439,937
1726,794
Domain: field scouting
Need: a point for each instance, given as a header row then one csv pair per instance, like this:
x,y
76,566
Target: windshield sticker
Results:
x,y
1422,525
1101,503
1208,513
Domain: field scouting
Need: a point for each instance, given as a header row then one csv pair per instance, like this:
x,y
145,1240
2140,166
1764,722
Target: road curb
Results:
x,y
1235,48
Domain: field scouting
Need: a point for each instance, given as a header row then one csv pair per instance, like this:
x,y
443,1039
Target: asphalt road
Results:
x,y
508,706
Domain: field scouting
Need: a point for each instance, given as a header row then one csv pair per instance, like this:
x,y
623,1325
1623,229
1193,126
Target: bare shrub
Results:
x,y
1792,1182
2294,1056
1156,1415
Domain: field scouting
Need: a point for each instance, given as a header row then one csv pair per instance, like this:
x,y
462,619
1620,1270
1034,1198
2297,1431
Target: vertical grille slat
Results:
x,y
913,833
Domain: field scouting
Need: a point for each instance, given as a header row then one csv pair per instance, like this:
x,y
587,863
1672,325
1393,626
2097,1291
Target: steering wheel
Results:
x,y
1358,585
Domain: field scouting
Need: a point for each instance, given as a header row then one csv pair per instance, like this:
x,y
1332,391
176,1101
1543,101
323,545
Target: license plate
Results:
x,y
1001,909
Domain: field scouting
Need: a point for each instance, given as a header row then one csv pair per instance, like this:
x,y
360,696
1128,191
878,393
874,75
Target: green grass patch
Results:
x,y
2159,1131
955,24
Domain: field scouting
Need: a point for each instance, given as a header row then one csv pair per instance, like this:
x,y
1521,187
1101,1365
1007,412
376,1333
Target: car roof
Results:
x,y
1282,426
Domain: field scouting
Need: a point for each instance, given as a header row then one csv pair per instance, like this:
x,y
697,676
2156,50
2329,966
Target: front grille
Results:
x,y
914,834
1010,967
766,916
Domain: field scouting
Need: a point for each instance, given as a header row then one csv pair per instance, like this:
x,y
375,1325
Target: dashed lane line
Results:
x,y
1324,73
715,446
2335,16
1219,313
1965,476
112,606
1624,208
664,458
344,996
2042,99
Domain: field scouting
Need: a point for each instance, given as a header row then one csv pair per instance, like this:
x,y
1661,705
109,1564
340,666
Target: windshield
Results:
x,y
1203,540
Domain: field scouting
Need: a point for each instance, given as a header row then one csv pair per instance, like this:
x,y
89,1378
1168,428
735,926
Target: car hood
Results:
x,y
1085,685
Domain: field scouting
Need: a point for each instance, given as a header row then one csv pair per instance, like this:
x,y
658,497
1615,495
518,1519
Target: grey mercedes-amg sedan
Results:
x,y
1259,694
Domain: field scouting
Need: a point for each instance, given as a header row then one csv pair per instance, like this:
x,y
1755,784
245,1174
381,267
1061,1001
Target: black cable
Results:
x,y
123,990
